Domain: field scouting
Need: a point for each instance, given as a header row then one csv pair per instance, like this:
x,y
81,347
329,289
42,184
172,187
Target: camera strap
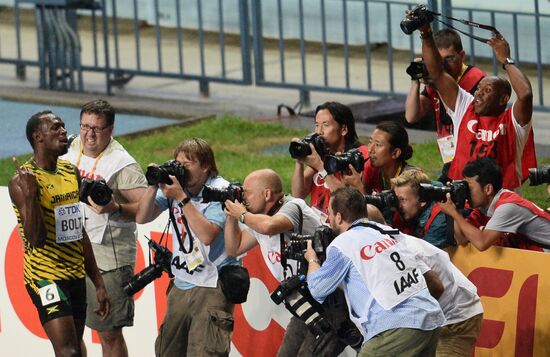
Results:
x,y
468,23
282,238
375,227
177,231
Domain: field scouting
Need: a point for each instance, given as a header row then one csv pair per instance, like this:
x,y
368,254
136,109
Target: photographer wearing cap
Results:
x,y
482,125
199,318
418,104
384,284
501,217
111,225
335,123
420,219
57,251
268,219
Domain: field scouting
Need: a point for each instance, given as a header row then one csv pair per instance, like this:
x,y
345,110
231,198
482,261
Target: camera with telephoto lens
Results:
x,y
418,17
385,200
300,149
161,173
539,175
298,300
353,157
97,190
233,192
320,240
417,70
162,262
459,190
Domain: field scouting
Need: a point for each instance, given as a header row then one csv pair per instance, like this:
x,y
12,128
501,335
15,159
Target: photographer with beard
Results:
x,y
267,220
111,226
199,317
335,123
420,219
384,285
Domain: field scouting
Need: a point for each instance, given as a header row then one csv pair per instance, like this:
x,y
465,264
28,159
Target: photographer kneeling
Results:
x,y
500,217
199,317
420,219
387,294
268,220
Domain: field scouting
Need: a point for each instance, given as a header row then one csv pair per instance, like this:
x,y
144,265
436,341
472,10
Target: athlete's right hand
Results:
x,y
25,180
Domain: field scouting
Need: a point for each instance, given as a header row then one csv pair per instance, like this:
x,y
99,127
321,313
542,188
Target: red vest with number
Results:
x,y
320,195
493,137
468,82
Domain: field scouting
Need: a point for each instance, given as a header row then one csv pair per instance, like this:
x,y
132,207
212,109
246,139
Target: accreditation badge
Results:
x,y
68,223
447,148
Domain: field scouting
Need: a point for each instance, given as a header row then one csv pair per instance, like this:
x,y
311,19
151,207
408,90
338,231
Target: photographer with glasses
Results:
x,y
109,223
199,316
419,103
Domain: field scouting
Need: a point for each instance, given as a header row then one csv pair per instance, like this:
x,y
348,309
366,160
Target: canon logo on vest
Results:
x,y
369,251
484,134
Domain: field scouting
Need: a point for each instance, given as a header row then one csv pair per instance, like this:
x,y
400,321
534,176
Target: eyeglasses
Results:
x,y
95,129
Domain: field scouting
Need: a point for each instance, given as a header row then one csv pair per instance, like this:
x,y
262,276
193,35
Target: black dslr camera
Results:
x,y
298,300
341,163
539,175
459,190
160,174
162,262
417,70
320,240
232,192
385,200
418,17
97,190
299,149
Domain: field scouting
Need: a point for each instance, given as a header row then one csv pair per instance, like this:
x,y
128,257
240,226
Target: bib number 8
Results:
x,y
397,260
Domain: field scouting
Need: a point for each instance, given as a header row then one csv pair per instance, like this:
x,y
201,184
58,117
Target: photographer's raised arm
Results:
x,y
523,107
416,105
237,242
301,180
446,86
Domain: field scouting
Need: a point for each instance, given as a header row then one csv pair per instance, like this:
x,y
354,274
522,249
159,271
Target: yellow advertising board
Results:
x,y
514,286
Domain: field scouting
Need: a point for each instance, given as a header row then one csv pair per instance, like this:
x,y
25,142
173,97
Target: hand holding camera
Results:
x,y
311,150
416,18
97,195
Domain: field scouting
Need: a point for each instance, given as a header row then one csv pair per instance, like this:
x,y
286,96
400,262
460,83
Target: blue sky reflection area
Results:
x,y
14,116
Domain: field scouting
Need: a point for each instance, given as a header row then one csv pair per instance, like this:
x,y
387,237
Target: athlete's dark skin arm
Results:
x,y
23,190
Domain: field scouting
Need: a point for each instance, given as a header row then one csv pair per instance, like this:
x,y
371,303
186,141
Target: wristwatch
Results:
x,y
241,217
184,202
507,61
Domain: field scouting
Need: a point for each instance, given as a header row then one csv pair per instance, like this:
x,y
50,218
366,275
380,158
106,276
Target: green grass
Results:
x,y
241,146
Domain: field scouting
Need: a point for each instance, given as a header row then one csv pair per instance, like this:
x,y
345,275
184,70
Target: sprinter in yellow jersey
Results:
x,y
58,254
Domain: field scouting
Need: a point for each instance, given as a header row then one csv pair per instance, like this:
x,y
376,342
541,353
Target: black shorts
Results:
x,y
59,298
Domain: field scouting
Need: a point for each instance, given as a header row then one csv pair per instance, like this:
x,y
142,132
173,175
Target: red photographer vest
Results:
x,y
469,80
492,137
397,222
320,194
512,240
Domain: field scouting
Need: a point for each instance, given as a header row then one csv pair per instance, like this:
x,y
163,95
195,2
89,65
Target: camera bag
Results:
x,y
235,283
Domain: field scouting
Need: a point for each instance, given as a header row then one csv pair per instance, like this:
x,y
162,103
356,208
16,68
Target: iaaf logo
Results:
x,y
485,134
369,251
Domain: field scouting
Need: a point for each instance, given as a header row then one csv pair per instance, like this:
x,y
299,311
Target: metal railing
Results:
x,y
343,46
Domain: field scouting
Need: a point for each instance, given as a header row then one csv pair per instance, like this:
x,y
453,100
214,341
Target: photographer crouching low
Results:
x,y
199,315
388,296
112,184
272,220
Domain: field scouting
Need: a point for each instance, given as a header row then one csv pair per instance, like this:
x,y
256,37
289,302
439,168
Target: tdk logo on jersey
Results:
x,y
369,251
